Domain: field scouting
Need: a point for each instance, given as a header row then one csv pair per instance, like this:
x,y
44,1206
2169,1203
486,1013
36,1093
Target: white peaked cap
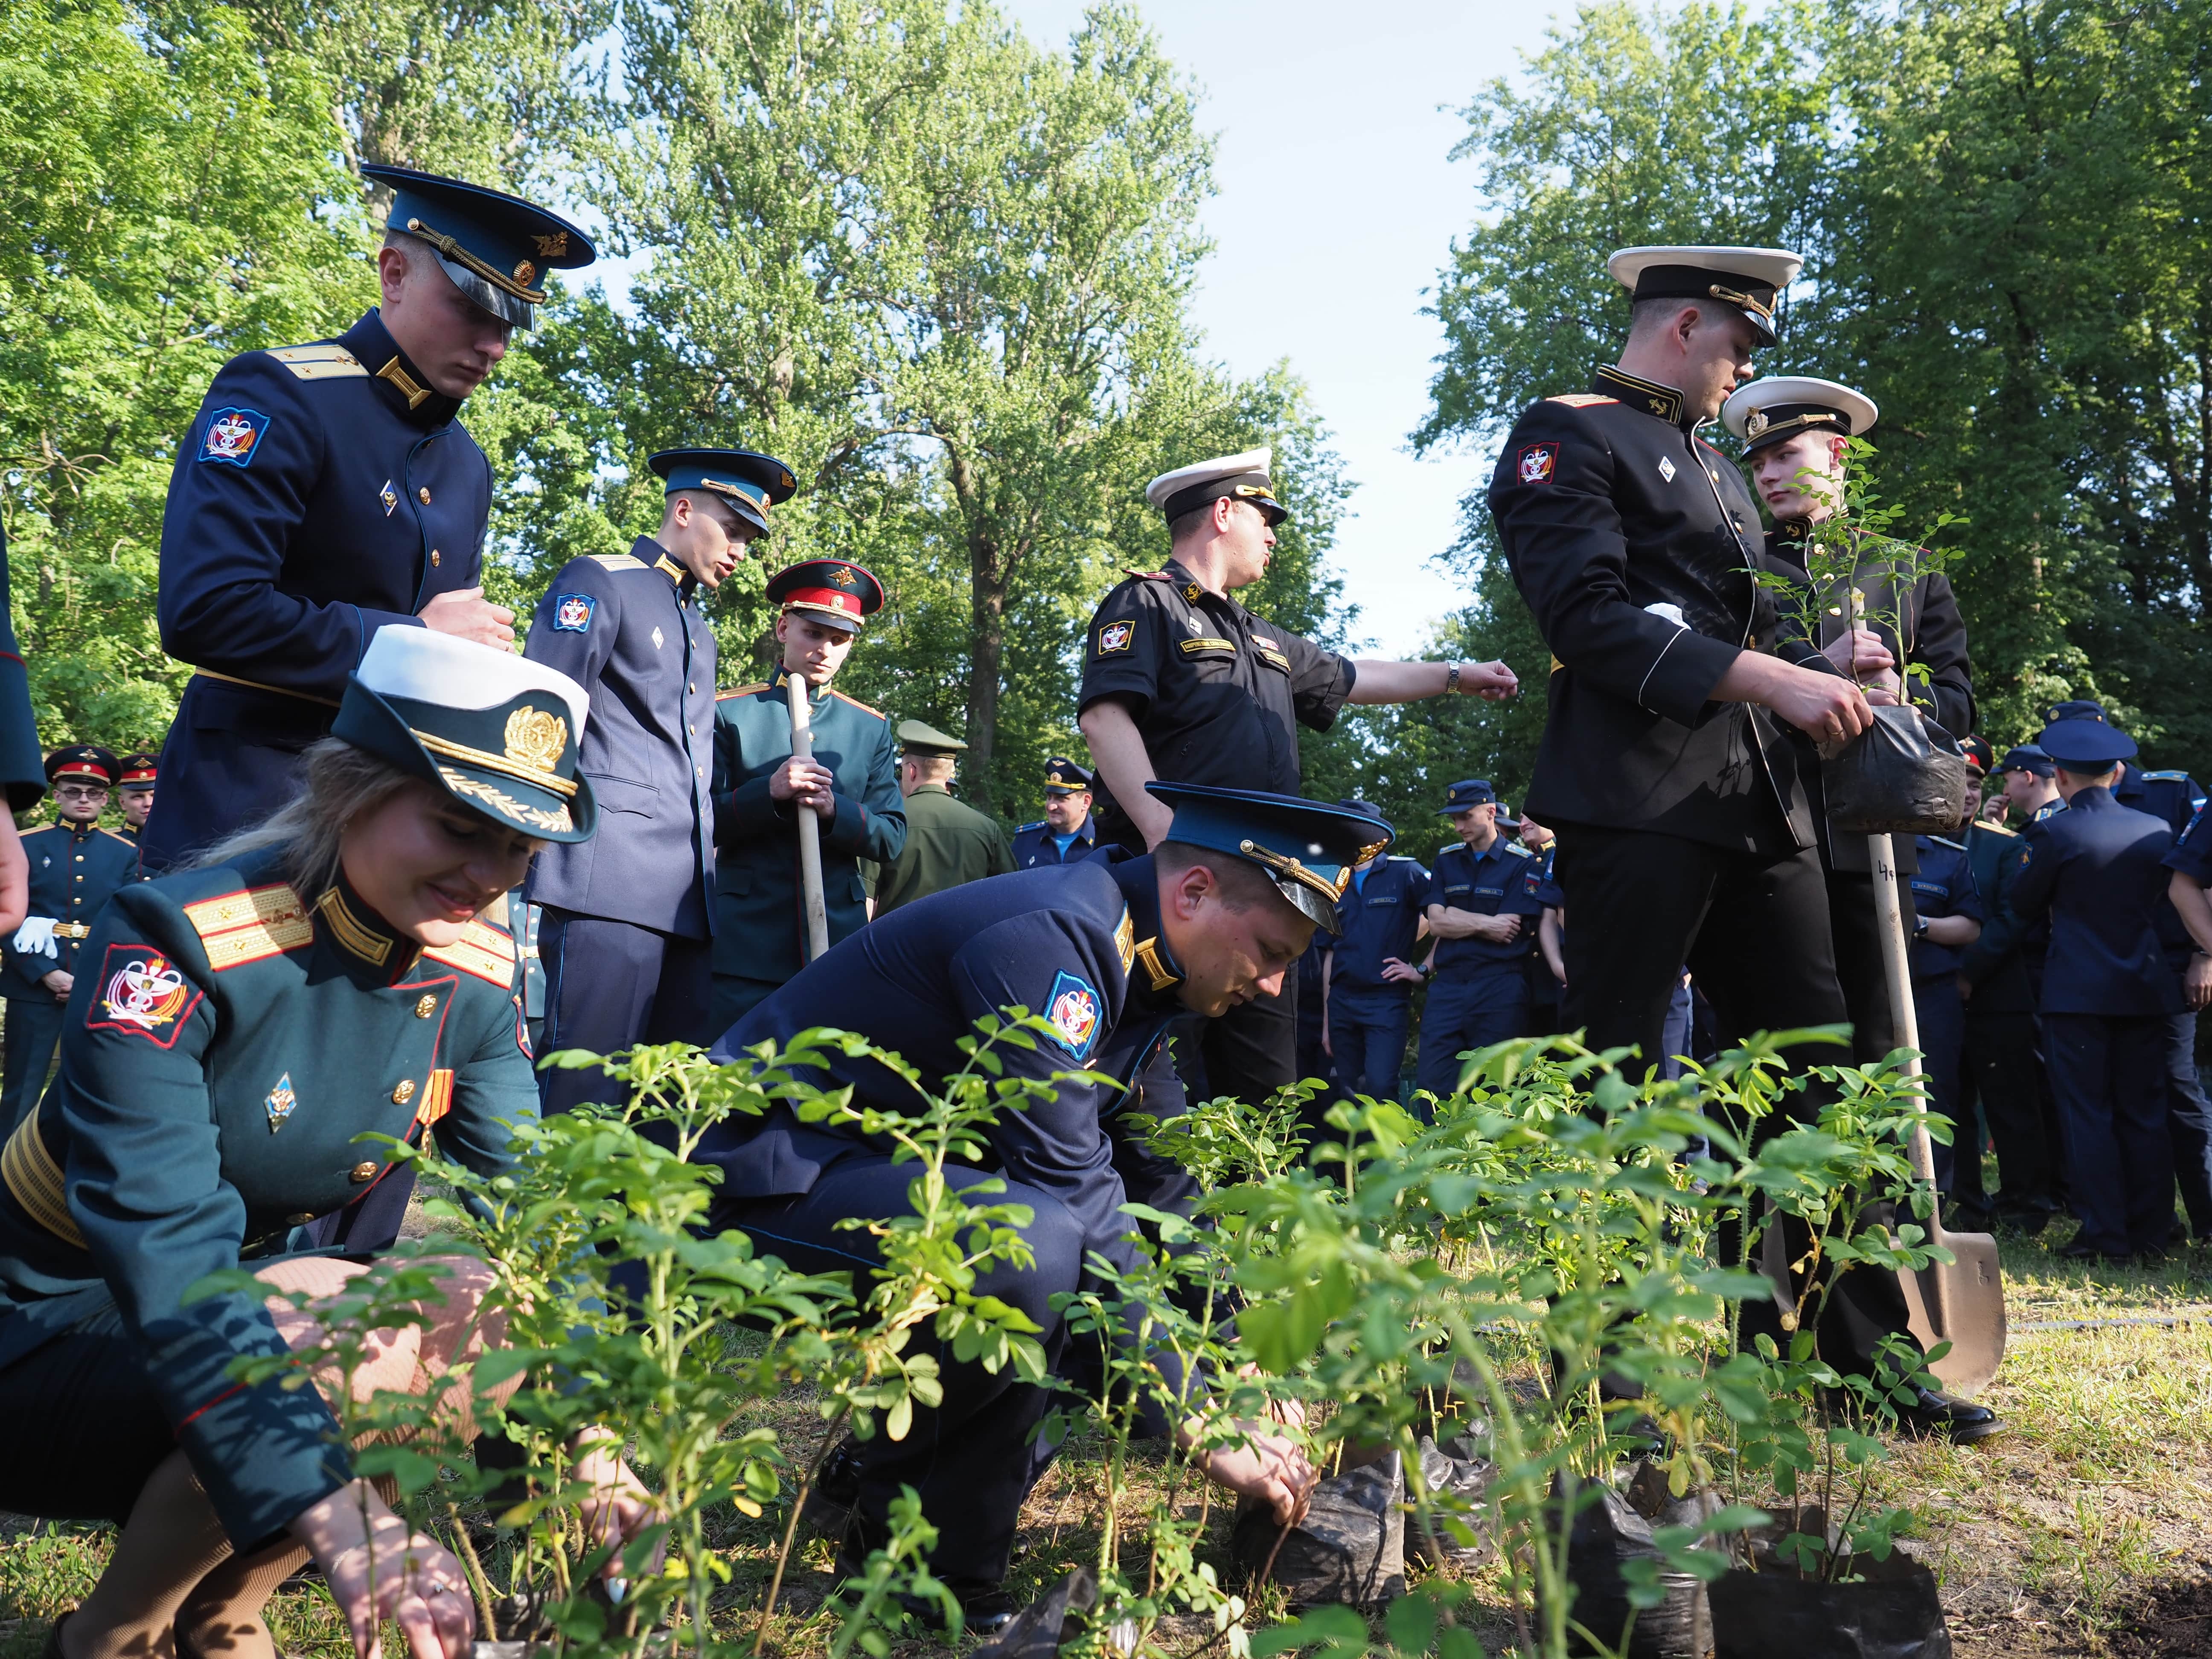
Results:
x,y
428,667
1251,462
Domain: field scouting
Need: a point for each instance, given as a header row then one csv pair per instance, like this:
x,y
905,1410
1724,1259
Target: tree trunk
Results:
x,y
987,654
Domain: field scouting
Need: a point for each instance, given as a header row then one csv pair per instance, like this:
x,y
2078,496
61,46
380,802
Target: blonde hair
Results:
x,y
932,769
343,783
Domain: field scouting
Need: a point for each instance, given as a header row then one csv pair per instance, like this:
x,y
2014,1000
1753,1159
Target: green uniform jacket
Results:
x,y
760,913
226,1042
946,844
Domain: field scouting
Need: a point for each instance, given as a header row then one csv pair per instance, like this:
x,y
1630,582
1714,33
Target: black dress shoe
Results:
x,y
2079,1251
830,1500
1937,1416
53,1648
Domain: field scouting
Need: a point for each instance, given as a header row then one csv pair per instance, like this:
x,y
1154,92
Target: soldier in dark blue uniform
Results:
x,y
1368,994
627,932
1111,951
236,1028
75,867
1947,914
850,785
1483,908
2172,797
1066,832
1181,682
2098,870
133,790
327,490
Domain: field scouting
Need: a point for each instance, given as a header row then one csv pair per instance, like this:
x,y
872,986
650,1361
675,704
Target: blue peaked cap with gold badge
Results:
x,y
752,483
1308,847
496,247
498,733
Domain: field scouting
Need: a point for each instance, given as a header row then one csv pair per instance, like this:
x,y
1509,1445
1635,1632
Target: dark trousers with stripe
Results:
x,y
611,985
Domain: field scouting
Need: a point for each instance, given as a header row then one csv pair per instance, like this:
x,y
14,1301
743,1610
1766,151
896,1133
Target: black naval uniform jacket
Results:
x,y
227,1040
1933,634
1080,944
1630,537
74,870
323,492
625,627
1217,693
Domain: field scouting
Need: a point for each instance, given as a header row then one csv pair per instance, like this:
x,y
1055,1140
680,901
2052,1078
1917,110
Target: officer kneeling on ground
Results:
x,y
1111,949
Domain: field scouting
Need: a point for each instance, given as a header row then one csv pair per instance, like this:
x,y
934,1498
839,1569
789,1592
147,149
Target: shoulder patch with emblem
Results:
x,y
858,704
1116,636
329,362
1536,463
1580,400
250,925
1075,1011
143,993
752,690
233,434
483,950
572,612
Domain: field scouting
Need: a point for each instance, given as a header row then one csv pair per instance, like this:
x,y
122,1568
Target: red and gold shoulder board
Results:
x,y
858,704
251,924
483,950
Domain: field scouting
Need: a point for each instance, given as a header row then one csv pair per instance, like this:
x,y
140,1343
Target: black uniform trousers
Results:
x,y
1941,1017
2109,1075
1754,933
2000,1064
34,1031
2188,1117
969,1457
610,985
98,1428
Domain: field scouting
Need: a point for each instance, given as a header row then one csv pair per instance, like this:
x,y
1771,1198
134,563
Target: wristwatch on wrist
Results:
x,y
1920,927
1424,970
1452,679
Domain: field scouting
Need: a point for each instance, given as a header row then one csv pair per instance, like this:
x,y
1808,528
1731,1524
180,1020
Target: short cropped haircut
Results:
x,y
1648,316
931,769
1244,884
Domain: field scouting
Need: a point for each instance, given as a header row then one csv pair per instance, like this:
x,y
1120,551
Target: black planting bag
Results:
x,y
1903,775
1891,1611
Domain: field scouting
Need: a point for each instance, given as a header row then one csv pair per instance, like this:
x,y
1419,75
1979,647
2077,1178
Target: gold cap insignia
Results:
x,y
844,578
1755,422
524,270
552,247
537,738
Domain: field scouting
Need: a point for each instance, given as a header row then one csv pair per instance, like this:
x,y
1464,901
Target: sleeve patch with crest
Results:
x,y
1116,636
232,435
142,992
1075,1012
572,613
1536,463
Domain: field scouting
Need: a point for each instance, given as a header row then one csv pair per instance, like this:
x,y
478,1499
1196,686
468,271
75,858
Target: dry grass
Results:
x,y
2086,1531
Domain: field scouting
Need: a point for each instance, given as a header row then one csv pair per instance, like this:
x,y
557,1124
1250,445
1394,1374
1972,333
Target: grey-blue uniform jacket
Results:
x,y
228,1039
761,923
1080,944
323,491
2097,869
75,871
623,627
1034,843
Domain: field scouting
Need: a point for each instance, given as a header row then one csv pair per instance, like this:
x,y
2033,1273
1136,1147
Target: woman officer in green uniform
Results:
x,y
235,1028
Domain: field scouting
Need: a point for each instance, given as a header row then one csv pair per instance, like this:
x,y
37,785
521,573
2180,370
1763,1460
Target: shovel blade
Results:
x,y
1961,1303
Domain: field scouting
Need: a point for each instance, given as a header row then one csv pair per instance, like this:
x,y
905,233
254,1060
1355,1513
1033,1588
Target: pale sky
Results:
x,y
1336,210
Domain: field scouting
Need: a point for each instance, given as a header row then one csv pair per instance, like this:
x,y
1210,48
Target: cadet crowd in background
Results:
x,y
606,847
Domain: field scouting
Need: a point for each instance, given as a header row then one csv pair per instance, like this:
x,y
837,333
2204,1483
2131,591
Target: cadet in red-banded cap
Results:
x,y
134,789
760,787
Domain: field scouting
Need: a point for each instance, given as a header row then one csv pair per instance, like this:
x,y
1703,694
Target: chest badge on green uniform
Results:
x,y
280,1103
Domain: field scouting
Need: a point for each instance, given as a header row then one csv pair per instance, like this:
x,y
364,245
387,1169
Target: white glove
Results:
x,y
36,938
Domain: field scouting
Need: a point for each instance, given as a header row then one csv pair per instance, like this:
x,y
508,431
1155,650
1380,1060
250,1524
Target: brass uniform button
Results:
x,y
299,1220
363,1173
433,558
424,495
80,858
405,1092
427,1006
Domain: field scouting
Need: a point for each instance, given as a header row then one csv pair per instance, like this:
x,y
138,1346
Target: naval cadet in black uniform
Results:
x,y
627,919
850,785
1067,831
2099,870
2172,797
77,867
237,1026
1796,430
133,790
1666,767
1181,682
325,491
1110,951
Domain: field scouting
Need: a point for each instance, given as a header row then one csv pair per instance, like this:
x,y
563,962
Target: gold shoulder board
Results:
x,y
752,690
251,924
616,561
484,951
320,363
858,704
1580,400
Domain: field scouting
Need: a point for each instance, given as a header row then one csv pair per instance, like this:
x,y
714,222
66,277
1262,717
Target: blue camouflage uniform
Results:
x,y
228,1039
1085,947
2097,869
1943,885
1370,1017
1480,992
760,926
628,917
